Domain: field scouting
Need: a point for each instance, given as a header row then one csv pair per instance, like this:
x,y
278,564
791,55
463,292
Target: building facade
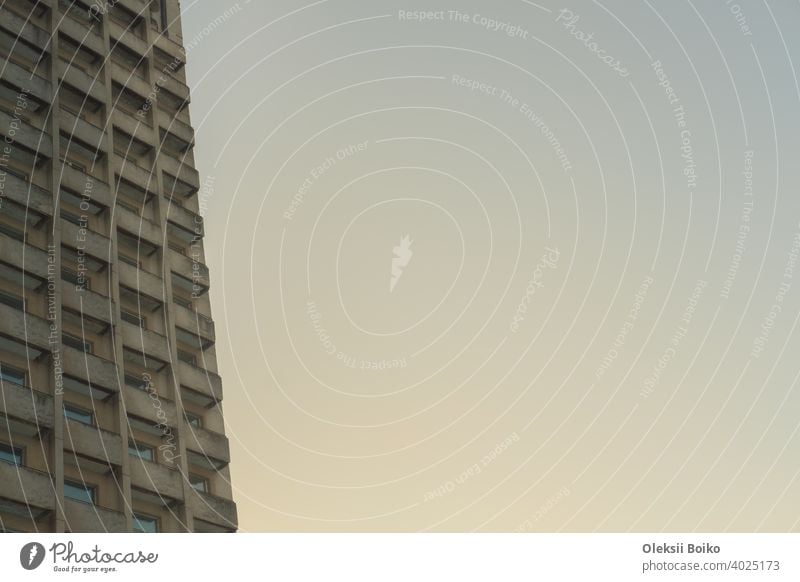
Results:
x,y
110,416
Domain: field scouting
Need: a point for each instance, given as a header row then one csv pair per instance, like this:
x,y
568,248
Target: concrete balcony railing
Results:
x,y
141,281
208,443
146,341
134,125
37,87
86,185
30,406
126,37
87,518
156,478
91,84
25,29
81,35
182,131
129,80
27,486
180,169
90,368
26,135
170,47
199,327
189,268
93,304
145,229
200,380
186,219
81,130
211,508
23,256
143,177
27,194
135,6
140,404
92,243
24,327
93,442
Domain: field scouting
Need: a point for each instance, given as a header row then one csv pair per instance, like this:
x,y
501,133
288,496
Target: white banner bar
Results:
x,y
401,557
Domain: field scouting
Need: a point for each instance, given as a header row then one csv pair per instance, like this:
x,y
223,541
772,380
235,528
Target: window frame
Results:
x,y
88,488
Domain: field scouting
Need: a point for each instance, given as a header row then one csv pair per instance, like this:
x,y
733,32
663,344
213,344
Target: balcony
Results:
x,y
139,403
141,281
37,143
28,405
25,30
143,340
135,174
92,84
170,47
88,133
196,330
202,381
81,34
92,304
145,229
27,194
91,242
24,327
180,171
182,133
129,80
86,185
194,273
126,37
90,368
23,256
86,518
208,444
92,442
186,219
156,479
37,87
27,487
217,510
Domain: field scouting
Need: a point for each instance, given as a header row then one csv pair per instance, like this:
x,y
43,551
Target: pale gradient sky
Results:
x,y
488,425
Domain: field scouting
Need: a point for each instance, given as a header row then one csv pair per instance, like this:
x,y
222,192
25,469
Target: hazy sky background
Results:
x,y
581,336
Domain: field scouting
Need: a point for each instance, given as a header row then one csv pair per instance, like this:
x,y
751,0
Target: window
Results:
x,y
80,492
12,375
182,302
131,317
187,357
193,420
198,483
144,523
77,343
12,301
14,233
135,382
78,414
72,276
73,218
9,454
141,451
128,260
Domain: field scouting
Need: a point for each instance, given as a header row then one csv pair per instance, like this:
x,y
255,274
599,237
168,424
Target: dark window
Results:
x,y
80,492
144,523
193,420
198,483
131,317
135,382
9,454
71,276
12,232
12,375
142,451
78,414
187,357
76,343
12,301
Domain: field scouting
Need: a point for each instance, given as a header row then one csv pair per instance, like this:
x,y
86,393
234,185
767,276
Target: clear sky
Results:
x,y
510,266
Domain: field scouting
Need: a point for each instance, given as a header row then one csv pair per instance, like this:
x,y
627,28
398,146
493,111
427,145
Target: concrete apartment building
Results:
x,y
110,416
